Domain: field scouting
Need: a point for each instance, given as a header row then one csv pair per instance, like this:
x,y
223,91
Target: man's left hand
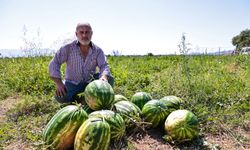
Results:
x,y
104,78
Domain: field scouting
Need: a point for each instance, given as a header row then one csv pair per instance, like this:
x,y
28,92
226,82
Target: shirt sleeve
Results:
x,y
102,64
55,64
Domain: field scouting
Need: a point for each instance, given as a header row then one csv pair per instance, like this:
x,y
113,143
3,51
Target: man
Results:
x,y
81,57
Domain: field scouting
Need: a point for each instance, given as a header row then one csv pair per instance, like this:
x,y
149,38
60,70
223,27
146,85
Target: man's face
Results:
x,y
84,35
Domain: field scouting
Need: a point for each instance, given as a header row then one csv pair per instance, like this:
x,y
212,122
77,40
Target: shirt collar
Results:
x,y
90,44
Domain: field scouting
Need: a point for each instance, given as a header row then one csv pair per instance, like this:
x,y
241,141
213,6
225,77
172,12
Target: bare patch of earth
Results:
x,y
6,105
18,145
152,140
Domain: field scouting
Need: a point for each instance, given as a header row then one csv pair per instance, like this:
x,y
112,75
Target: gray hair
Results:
x,y
83,25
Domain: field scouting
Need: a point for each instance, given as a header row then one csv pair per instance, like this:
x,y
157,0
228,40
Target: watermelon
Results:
x,y
140,99
155,112
119,97
115,121
99,95
129,112
181,125
60,131
172,102
94,134
87,109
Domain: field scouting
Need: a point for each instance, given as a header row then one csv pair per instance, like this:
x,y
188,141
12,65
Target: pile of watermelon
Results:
x,y
111,115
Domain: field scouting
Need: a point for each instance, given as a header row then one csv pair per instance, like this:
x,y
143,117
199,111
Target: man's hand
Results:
x,y
60,90
104,78
60,87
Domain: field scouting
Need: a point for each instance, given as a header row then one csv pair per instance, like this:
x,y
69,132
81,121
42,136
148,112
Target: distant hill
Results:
x,y
47,51
222,52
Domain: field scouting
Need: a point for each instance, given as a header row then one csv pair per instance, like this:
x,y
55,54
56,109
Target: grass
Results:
x,y
215,88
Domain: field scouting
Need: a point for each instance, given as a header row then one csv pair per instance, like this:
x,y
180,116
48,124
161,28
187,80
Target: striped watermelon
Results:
x,y
94,134
115,121
61,129
172,102
129,112
99,95
87,109
155,112
119,97
140,99
181,125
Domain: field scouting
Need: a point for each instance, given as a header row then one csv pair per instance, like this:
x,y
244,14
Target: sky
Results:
x,y
126,26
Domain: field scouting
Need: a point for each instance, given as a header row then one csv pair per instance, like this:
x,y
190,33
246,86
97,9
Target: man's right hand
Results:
x,y
60,89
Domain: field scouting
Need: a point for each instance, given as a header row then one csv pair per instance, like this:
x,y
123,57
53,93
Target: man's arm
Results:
x,y
54,71
60,87
103,65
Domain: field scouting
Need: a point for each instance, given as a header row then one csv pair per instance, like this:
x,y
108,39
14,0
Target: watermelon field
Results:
x,y
216,89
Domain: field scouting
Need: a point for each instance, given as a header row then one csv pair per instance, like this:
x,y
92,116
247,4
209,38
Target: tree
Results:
x,y
242,40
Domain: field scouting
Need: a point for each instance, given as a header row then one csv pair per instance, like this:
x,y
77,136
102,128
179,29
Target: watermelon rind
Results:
x,y
172,102
115,121
60,131
119,97
141,98
94,134
130,113
155,112
99,95
182,125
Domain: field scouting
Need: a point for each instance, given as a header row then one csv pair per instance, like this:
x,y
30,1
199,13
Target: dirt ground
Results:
x,y
5,105
152,140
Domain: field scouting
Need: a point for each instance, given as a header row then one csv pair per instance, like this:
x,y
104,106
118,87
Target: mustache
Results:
x,y
84,42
